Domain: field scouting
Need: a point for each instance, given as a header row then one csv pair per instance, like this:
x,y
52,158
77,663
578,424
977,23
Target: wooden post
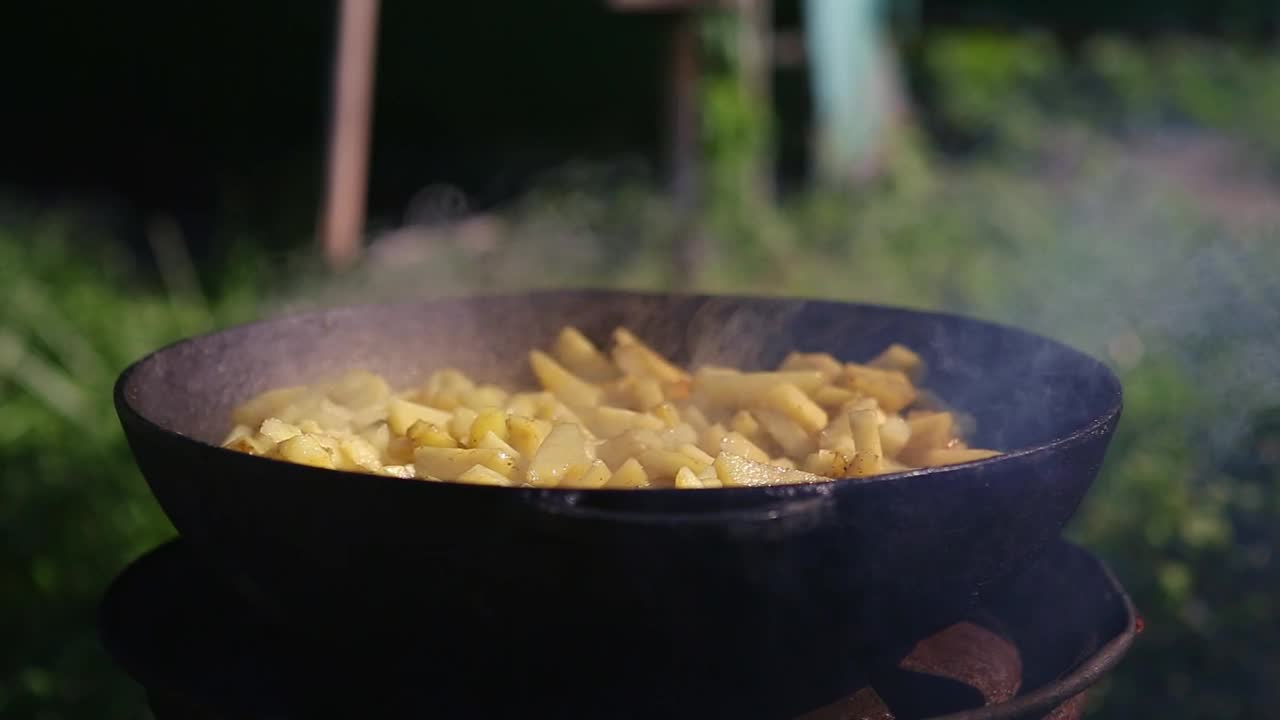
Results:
x,y
342,224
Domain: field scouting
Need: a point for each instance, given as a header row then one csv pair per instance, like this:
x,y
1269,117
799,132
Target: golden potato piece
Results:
x,y
667,413
790,401
928,431
836,431
607,421
356,453
717,439
746,424
737,471
447,400
483,397
864,464
491,441
892,389
818,463
424,434
648,393
306,449
828,463
481,475
824,363
596,476
678,390
889,465
833,396
864,426
634,361
686,479
621,393
446,380
615,451
525,404
237,432
792,438
631,474
902,358
844,446
581,356
694,416
694,453
401,414
366,416
738,444
674,437
460,424
277,430
894,434
244,440
557,412
623,336
332,416
563,454
636,358
449,463
565,385
710,480
491,420
732,389
526,434
713,436
659,463
937,457
378,435
400,451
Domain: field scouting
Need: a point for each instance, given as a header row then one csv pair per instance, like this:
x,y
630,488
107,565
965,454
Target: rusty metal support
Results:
x,y
685,141
683,92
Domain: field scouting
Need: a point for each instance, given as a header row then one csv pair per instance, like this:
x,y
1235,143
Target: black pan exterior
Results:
x,y
195,646
739,584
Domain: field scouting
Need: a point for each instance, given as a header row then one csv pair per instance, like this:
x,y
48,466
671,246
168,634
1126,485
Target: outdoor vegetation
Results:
x,y
1124,197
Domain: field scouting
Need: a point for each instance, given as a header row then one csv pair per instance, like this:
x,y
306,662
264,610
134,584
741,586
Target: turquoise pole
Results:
x,y
841,37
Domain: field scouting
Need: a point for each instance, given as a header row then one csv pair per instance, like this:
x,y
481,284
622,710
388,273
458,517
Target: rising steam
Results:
x,y
1119,251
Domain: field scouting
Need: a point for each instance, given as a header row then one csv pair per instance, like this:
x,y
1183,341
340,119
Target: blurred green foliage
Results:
x,y
1068,194
73,510
997,92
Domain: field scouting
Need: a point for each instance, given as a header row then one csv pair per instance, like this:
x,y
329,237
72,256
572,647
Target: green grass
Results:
x,y
73,510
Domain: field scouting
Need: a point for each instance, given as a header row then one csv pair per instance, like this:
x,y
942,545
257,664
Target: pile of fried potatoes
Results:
x,y
628,418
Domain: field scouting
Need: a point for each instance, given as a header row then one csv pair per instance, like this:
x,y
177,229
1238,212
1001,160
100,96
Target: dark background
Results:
x,y
218,110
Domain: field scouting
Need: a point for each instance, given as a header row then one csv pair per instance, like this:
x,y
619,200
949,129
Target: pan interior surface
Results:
x,y
1021,390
